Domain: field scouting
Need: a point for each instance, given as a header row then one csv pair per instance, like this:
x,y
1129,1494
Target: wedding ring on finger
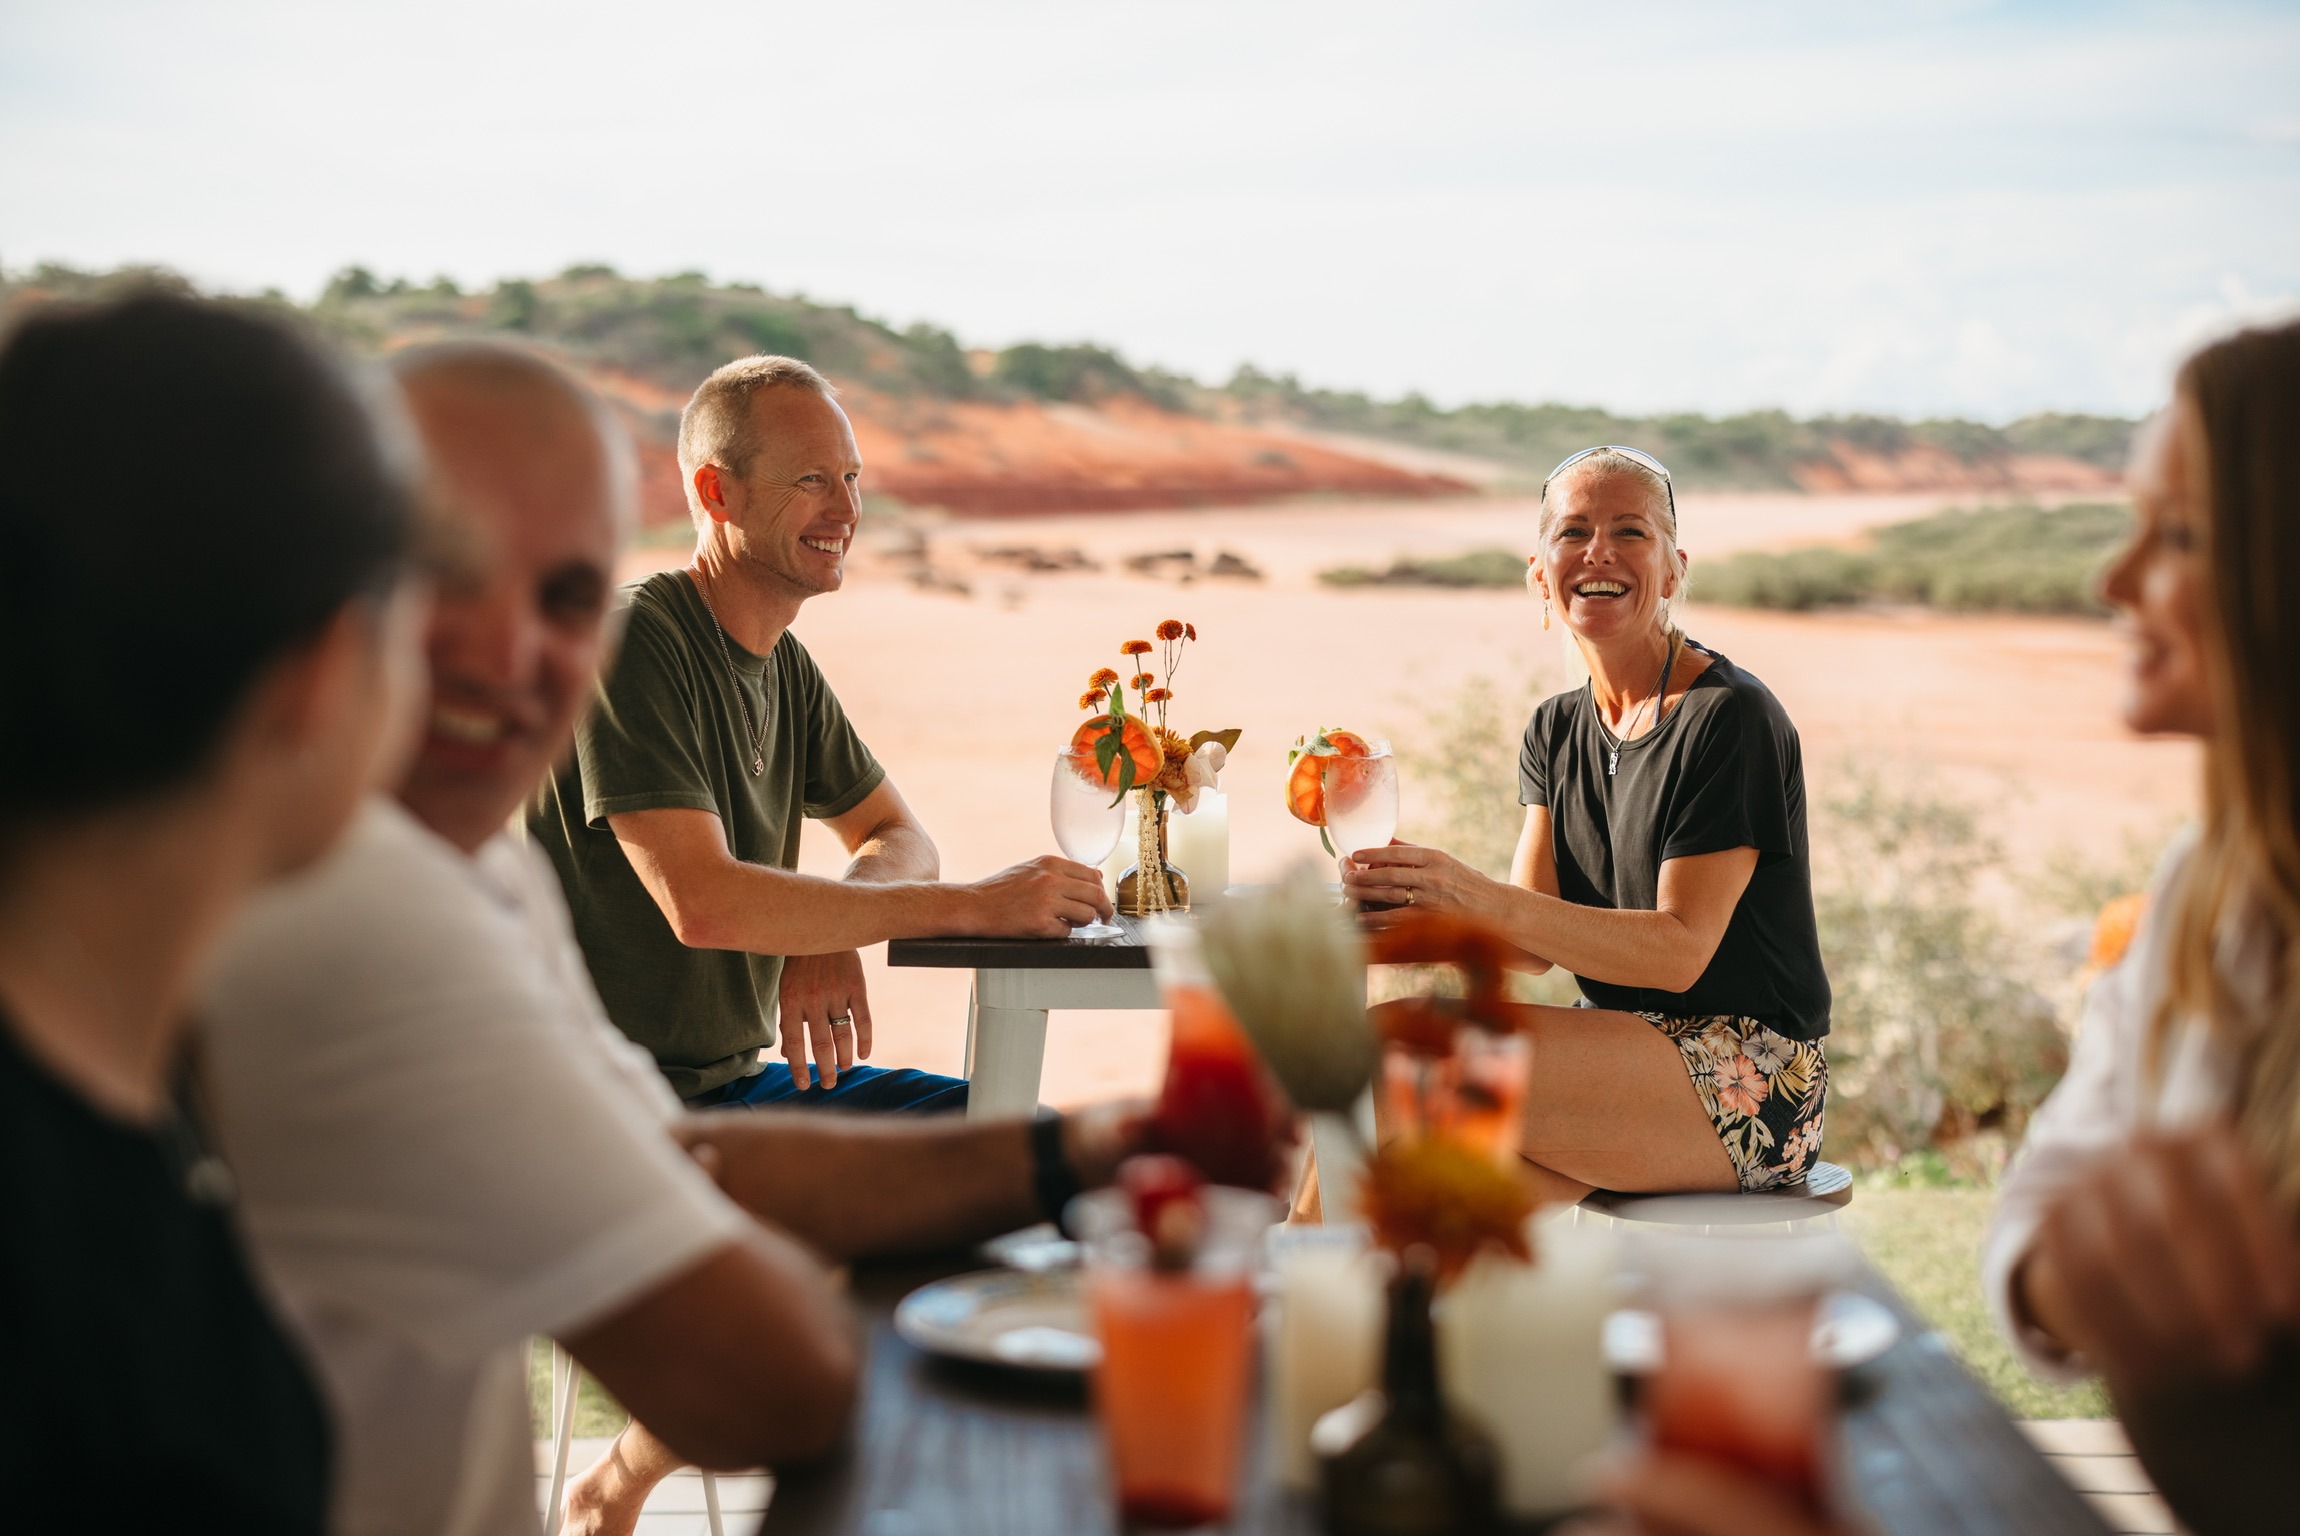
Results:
x,y
842,1020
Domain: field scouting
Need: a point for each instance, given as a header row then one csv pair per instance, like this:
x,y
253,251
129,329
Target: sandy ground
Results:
x,y
965,697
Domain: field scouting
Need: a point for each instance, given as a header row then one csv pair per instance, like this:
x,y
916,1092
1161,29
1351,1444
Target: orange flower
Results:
x,y
1142,680
1092,698
1189,631
1135,648
1172,629
1159,695
1452,1197
1102,678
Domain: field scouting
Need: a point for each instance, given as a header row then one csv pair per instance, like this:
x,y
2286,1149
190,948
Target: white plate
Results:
x,y
1037,1322
1852,1330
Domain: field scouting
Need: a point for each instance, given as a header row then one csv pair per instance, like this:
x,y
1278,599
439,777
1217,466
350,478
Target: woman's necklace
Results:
x,y
756,735
1660,689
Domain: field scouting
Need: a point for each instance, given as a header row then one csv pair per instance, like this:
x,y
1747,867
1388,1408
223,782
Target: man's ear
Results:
x,y
711,491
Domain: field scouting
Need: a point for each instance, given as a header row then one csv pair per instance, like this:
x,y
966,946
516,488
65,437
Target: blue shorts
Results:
x,y
868,1088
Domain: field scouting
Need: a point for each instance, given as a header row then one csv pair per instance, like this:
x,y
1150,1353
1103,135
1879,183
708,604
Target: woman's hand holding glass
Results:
x,y
1406,874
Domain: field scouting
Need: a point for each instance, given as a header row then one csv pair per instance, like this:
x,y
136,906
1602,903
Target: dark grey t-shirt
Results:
x,y
666,731
1724,770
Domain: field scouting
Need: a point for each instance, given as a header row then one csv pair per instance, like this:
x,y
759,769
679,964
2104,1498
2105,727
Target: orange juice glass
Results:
x,y
1177,1357
1218,1106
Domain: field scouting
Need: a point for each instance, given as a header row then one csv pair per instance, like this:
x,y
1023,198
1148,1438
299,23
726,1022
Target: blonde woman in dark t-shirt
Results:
x,y
1664,863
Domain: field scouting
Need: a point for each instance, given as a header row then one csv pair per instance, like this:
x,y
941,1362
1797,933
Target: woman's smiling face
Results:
x,y
1607,562
2159,583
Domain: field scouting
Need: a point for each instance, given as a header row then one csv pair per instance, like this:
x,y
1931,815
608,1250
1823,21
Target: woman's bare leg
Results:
x,y
1610,1106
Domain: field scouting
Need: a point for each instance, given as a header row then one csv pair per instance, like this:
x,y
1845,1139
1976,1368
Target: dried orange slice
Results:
x,y
1305,791
1135,742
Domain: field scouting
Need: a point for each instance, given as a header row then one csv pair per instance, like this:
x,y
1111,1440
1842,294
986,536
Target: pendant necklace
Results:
x,y
1660,689
756,735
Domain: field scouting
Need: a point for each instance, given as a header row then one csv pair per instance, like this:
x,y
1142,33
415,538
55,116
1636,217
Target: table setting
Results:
x,y
1439,1356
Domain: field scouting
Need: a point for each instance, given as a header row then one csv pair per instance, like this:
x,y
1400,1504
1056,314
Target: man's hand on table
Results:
x,y
818,992
1043,899
2167,1265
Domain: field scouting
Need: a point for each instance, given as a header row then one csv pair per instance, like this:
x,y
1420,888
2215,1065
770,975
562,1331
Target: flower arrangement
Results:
x,y
1140,753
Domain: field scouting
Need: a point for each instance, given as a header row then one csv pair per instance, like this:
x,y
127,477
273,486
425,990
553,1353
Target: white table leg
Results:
x,y
1005,1053
1006,1027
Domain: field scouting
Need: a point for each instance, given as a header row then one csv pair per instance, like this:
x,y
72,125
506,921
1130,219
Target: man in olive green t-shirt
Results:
x,y
675,827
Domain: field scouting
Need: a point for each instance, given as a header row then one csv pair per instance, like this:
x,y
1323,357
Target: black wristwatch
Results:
x,y
1052,1178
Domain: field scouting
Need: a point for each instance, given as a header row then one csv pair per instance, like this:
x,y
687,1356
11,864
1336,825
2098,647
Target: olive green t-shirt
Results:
x,y
665,731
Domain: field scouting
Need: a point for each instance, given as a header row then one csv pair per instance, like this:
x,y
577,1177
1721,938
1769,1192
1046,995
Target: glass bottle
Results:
x,y
1419,1471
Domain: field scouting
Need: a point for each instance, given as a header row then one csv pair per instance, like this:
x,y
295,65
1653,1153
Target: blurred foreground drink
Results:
x,y
1218,1106
1176,1319
1739,1381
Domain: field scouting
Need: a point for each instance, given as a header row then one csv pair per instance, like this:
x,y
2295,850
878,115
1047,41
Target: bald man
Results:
x,y
443,1145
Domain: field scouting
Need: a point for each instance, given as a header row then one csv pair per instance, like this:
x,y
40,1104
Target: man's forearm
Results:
x,y
855,1185
734,905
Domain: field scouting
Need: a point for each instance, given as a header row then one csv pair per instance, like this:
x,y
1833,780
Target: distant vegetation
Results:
x,y
2019,559
1477,568
673,330
1754,450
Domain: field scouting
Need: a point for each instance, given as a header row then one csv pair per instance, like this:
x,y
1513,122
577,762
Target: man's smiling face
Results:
x,y
800,497
521,621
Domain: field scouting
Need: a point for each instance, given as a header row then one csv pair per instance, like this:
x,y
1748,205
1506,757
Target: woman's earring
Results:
x,y
1545,613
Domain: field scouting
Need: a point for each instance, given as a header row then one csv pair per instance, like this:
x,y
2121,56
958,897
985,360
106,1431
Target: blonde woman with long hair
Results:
x,y
2147,1234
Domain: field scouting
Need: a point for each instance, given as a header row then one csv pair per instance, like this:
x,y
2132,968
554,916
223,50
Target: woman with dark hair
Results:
x,y
1663,863
206,650
2146,1234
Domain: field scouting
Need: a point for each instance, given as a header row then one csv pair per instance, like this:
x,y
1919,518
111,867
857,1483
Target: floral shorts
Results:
x,y
1764,1092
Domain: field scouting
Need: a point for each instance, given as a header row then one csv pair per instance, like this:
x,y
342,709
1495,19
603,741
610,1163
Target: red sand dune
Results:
x,y
1923,467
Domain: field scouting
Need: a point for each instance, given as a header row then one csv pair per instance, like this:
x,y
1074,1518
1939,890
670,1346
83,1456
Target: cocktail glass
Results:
x,y
1740,1382
1177,1354
1218,1106
1088,816
1361,799
1475,1093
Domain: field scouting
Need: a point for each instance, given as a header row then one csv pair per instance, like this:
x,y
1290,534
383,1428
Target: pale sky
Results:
x,y
1926,208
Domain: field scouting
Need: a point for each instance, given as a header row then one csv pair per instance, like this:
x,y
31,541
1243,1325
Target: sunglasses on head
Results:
x,y
1668,487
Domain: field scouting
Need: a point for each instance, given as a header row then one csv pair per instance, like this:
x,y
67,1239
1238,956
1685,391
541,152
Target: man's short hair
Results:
x,y
505,368
716,426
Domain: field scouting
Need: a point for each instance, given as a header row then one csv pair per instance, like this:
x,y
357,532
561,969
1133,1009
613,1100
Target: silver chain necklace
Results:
x,y
1660,690
756,735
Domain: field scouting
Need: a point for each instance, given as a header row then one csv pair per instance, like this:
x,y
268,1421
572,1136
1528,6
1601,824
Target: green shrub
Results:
x,y
1475,568
2016,559
1941,1037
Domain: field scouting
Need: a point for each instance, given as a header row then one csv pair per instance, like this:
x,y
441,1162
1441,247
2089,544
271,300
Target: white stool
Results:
x,y
566,1379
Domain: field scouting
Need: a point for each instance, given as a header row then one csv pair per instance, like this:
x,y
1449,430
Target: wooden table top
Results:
x,y
1127,952
946,1449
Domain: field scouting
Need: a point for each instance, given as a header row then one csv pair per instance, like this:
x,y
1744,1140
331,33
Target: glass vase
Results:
x,y
1166,889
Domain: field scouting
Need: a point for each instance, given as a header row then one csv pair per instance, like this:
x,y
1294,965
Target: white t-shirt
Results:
x,y
2109,1094
443,1147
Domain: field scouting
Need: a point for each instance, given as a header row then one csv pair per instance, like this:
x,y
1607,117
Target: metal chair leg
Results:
x,y
566,1387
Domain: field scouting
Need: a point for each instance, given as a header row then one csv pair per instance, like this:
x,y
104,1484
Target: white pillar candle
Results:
x,y
1325,1340
1199,845
1522,1349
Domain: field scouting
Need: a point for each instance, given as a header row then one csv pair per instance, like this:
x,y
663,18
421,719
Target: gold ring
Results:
x,y
1410,898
